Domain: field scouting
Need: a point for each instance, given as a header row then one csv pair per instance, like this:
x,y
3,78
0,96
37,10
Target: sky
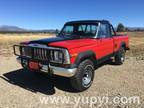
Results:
x,y
52,14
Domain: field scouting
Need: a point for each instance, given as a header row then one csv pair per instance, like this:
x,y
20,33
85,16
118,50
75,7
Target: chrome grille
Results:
x,y
26,51
40,54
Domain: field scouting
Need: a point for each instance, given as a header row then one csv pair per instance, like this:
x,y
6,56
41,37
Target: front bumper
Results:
x,y
65,72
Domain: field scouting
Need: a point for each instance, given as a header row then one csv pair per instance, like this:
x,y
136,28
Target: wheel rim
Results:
x,y
87,76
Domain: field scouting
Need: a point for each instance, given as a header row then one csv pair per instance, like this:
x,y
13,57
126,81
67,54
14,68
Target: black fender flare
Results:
x,y
122,44
85,55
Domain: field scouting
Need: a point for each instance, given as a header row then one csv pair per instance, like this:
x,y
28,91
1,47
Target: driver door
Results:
x,y
105,41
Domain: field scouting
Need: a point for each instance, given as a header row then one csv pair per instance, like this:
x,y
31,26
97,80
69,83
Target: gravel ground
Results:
x,y
22,89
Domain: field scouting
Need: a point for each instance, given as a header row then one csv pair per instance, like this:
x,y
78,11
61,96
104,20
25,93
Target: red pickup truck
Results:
x,y
74,52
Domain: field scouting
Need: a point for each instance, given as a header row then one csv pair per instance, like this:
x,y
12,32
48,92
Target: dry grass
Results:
x,y
8,40
136,42
16,38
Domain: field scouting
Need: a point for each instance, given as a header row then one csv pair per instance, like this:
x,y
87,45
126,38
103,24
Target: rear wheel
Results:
x,y
120,56
84,76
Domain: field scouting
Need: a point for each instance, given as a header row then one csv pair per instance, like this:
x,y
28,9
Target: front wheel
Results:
x,y
120,56
84,76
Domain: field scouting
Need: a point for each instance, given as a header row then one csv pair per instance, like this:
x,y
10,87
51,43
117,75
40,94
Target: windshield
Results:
x,y
80,30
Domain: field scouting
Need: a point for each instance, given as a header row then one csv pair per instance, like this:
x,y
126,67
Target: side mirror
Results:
x,y
57,32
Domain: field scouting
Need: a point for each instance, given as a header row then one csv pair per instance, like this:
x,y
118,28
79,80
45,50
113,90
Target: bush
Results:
x,y
120,28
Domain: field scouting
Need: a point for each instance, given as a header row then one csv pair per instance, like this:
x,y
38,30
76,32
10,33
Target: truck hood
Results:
x,y
68,43
46,41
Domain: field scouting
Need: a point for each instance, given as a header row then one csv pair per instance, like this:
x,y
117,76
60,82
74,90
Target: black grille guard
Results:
x,y
37,53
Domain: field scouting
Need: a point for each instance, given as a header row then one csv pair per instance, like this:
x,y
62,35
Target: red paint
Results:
x,y
102,47
33,65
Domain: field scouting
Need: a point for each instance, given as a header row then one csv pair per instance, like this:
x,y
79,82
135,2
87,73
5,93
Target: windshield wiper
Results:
x,y
75,36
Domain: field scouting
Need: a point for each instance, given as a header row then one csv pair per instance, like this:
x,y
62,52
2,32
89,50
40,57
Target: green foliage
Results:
x,y
120,28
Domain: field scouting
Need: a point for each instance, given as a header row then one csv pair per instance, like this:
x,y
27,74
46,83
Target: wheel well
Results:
x,y
123,46
86,55
92,58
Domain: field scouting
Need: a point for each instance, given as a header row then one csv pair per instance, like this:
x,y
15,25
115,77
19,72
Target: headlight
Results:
x,y
59,55
26,51
22,51
16,50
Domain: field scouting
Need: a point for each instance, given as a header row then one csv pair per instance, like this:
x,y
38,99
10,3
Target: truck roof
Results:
x,y
88,21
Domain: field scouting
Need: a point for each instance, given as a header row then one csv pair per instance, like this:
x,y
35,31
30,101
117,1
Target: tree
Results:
x,y
120,28
127,29
56,31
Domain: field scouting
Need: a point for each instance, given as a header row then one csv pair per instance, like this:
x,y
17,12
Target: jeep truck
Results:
x,y
75,52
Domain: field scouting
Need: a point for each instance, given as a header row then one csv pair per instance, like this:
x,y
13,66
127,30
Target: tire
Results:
x,y
120,56
84,76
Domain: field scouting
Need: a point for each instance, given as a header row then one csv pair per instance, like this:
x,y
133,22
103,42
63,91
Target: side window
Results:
x,y
104,31
112,31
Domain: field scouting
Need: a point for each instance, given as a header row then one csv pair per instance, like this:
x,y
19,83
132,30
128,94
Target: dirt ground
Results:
x,y
21,89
